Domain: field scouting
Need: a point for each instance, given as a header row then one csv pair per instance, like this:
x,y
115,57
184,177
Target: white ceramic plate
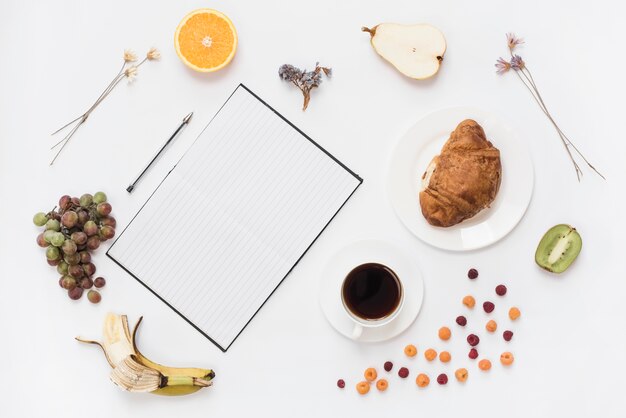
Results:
x,y
371,252
422,142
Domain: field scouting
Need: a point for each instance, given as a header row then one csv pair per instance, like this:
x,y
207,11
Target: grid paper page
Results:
x,y
233,217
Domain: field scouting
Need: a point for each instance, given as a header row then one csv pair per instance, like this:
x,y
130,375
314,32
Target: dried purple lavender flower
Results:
x,y
525,76
502,66
303,79
513,41
517,63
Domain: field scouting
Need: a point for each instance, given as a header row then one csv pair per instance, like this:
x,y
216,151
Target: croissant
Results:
x,y
462,180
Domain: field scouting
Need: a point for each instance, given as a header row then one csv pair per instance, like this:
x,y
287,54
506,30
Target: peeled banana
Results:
x,y
133,372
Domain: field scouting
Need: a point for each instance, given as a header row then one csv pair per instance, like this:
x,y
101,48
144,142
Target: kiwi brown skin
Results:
x,y
558,248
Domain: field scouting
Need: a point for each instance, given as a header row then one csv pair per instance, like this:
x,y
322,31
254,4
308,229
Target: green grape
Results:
x,y
53,253
76,271
57,239
107,232
41,241
76,293
69,282
90,228
93,242
79,237
99,197
72,260
86,200
94,296
53,225
48,234
89,269
69,219
65,202
108,221
83,216
69,247
85,257
40,219
62,268
104,209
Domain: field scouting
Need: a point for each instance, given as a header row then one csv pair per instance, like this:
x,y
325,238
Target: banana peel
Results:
x,y
134,372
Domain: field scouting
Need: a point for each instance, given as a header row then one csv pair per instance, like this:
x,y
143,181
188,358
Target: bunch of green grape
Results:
x,y
73,229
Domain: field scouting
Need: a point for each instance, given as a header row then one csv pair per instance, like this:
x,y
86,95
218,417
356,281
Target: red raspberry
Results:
x,y
473,354
341,384
442,379
507,335
473,340
472,274
500,290
388,366
461,320
489,307
403,372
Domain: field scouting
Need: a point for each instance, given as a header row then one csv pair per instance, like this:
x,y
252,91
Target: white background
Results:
x,y
569,345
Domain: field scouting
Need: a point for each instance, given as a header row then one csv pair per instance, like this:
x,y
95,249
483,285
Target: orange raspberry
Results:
x,y
514,313
461,375
469,301
422,380
444,356
430,354
506,358
382,385
445,333
410,350
363,387
370,374
484,365
491,326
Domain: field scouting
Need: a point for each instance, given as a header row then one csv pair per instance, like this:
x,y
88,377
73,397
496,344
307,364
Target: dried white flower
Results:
x,y
129,56
153,54
131,73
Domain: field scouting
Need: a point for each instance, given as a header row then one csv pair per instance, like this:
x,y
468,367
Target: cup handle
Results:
x,y
357,331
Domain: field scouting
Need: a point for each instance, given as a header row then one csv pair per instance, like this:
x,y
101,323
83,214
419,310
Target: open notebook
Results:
x,y
233,217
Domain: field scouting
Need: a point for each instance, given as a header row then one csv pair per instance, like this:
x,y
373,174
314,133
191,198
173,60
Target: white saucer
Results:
x,y
371,252
422,142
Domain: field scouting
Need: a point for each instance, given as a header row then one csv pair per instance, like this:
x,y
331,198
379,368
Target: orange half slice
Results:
x,y
206,40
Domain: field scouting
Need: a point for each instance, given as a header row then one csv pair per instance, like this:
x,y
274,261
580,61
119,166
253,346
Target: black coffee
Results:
x,y
371,291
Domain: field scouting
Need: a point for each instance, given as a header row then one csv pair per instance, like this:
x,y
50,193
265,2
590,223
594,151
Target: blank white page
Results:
x,y
233,217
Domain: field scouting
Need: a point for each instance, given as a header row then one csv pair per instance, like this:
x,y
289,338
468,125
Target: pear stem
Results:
x,y
372,31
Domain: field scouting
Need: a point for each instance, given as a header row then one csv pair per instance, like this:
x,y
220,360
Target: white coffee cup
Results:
x,y
362,320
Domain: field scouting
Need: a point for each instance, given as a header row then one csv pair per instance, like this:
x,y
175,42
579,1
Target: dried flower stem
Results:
x,y
523,73
125,71
527,78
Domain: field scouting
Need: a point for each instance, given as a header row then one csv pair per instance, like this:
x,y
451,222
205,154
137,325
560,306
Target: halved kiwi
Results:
x,y
558,248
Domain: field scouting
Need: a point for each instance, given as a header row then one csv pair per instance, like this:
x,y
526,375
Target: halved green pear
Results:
x,y
415,50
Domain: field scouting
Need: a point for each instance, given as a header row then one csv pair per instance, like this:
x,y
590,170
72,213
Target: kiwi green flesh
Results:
x,y
558,248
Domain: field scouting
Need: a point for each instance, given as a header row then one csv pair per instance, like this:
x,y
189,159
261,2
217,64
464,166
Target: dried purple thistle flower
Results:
x,y
303,79
517,63
513,41
502,66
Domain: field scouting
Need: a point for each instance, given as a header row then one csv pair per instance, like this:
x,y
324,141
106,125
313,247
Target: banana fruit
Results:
x,y
134,372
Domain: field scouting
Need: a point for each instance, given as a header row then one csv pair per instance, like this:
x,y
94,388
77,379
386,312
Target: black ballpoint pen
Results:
x,y
130,188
